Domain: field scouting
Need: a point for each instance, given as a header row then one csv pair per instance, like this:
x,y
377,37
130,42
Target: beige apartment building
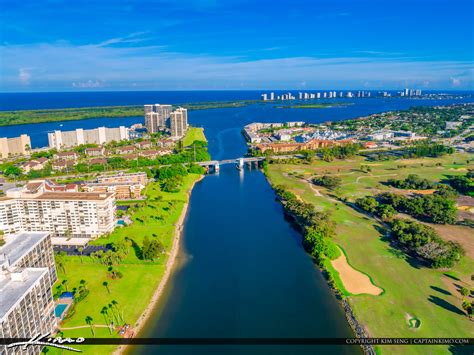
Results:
x,y
102,135
14,146
71,217
123,186
27,274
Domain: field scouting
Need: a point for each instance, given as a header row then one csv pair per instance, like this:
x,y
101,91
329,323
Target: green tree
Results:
x,y
64,283
106,285
80,250
90,321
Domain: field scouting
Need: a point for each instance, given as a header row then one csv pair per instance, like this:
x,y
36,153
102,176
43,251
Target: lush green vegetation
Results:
x,y
424,149
425,242
436,208
8,118
463,184
317,227
194,134
412,181
339,152
331,182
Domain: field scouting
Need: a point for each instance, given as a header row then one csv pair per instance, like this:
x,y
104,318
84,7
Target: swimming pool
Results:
x,y
59,309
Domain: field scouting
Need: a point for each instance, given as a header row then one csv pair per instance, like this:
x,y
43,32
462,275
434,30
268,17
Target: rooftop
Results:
x,y
80,196
19,244
14,286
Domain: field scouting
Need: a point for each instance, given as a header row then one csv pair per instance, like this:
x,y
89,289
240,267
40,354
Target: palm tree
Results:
x,y
106,285
64,283
89,321
114,316
105,312
83,283
80,250
120,314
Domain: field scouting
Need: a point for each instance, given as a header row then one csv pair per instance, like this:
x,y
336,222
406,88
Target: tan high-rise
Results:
x,y
179,122
14,146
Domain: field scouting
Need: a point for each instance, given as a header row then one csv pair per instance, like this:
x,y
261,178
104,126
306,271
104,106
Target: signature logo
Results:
x,y
46,340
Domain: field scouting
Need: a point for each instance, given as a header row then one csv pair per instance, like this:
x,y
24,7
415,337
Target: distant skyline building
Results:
x,y
15,146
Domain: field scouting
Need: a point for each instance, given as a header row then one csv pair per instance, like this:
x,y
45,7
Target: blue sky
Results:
x,y
209,44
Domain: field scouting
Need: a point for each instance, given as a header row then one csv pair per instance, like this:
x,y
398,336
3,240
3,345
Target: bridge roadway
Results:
x,y
239,161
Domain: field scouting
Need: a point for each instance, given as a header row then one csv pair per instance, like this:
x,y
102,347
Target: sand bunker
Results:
x,y
354,281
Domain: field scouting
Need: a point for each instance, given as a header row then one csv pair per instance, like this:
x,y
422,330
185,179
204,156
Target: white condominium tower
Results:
x,y
101,135
69,216
27,274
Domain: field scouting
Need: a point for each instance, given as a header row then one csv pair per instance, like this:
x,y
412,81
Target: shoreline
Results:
x,y
145,316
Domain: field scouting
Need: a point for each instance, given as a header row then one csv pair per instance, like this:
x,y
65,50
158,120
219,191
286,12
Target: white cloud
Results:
x,y
455,81
89,84
24,76
58,65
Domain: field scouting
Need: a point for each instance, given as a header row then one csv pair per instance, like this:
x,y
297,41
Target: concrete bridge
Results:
x,y
215,164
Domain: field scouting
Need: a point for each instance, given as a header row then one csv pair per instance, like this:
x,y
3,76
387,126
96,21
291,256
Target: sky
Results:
x,y
55,45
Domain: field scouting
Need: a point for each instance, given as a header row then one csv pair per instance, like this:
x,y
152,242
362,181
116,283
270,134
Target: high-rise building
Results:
x,y
407,92
272,96
102,135
69,216
318,95
179,122
324,94
157,119
14,146
264,97
27,274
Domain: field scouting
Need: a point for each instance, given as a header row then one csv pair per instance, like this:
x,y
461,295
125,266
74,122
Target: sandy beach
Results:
x,y
137,327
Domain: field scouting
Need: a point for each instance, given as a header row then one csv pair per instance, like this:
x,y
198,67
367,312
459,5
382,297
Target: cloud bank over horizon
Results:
x,y
179,56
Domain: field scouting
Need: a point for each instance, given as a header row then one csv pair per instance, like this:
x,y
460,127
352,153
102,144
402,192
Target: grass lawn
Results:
x,y
194,134
156,219
411,290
